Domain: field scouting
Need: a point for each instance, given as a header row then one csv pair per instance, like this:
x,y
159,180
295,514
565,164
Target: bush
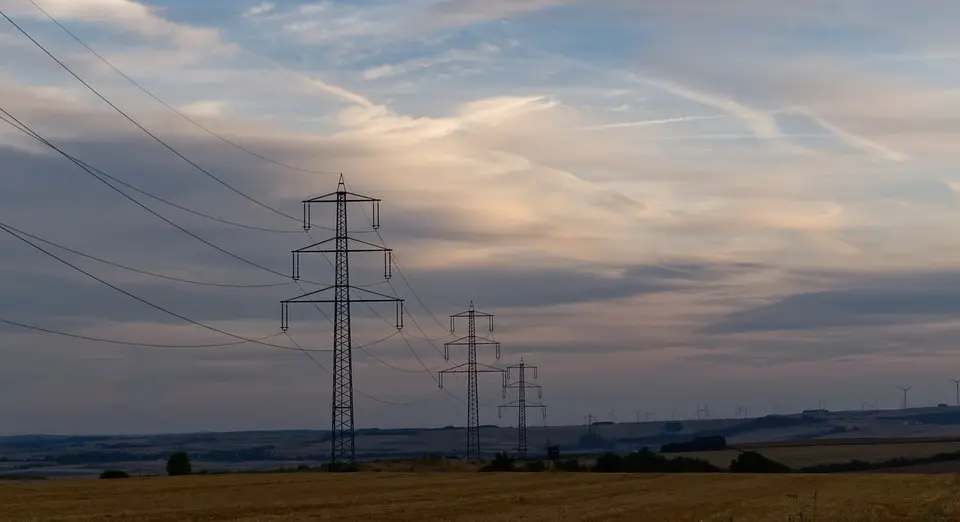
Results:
x,y
608,463
535,466
114,474
712,443
753,462
341,467
179,464
502,462
572,464
646,461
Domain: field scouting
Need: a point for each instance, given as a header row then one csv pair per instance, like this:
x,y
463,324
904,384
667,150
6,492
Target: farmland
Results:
x,y
485,496
834,451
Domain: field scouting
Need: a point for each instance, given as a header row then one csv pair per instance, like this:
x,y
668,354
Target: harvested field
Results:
x,y
486,497
799,456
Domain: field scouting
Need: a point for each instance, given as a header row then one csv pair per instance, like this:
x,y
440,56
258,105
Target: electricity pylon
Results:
x,y
521,385
471,368
705,410
342,443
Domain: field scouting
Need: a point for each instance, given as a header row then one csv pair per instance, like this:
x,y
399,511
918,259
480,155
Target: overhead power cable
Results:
x,y
138,298
16,123
358,392
144,129
156,98
19,125
144,272
129,343
171,149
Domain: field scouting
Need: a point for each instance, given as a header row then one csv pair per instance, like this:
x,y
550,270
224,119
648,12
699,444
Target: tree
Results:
x,y
114,474
179,464
753,462
608,463
502,462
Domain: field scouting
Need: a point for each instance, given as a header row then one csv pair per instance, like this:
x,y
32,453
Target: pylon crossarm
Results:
x,y
308,294
334,250
460,340
324,198
371,292
457,369
312,249
465,343
475,314
518,385
307,248
380,298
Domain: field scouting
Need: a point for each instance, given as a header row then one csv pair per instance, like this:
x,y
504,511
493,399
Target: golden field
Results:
x,y
486,497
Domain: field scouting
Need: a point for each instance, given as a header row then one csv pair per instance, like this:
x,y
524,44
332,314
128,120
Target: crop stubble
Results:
x,y
484,497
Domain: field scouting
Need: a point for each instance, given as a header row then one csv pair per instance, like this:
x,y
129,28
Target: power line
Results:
x,y
131,343
359,392
175,110
414,292
19,125
134,188
193,164
138,298
144,272
144,129
187,118
93,172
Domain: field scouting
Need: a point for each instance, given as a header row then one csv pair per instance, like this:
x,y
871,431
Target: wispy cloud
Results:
x,y
860,142
646,123
685,207
762,124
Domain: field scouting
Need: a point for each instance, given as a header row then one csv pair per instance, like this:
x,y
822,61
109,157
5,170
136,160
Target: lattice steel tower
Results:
x,y
471,368
521,404
342,444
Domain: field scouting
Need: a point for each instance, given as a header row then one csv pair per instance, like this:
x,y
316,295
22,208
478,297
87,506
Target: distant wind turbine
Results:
x,y
904,390
957,382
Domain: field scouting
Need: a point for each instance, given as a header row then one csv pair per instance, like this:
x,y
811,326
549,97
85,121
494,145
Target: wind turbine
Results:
x,y
904,390
957,382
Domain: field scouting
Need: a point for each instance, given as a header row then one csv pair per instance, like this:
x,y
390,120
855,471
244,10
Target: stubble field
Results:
x,y
830,452
487,497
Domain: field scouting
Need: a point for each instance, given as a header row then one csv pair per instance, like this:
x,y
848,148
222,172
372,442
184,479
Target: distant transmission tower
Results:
x,y
342,446
521,404
471,368
705,411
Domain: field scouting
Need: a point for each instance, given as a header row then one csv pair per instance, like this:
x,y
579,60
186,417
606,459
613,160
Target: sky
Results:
x,y
665,204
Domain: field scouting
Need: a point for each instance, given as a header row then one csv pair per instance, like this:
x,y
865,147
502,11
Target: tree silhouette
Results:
x,y
179,464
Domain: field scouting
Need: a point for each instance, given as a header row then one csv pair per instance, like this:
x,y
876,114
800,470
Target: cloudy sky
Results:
x,y
665,203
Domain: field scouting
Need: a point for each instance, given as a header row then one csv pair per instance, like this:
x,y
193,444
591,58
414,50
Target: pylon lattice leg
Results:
x,y
343,449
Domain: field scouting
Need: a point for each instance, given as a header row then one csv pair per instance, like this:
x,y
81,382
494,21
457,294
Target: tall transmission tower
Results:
x,y
521,404
342,440
471,368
